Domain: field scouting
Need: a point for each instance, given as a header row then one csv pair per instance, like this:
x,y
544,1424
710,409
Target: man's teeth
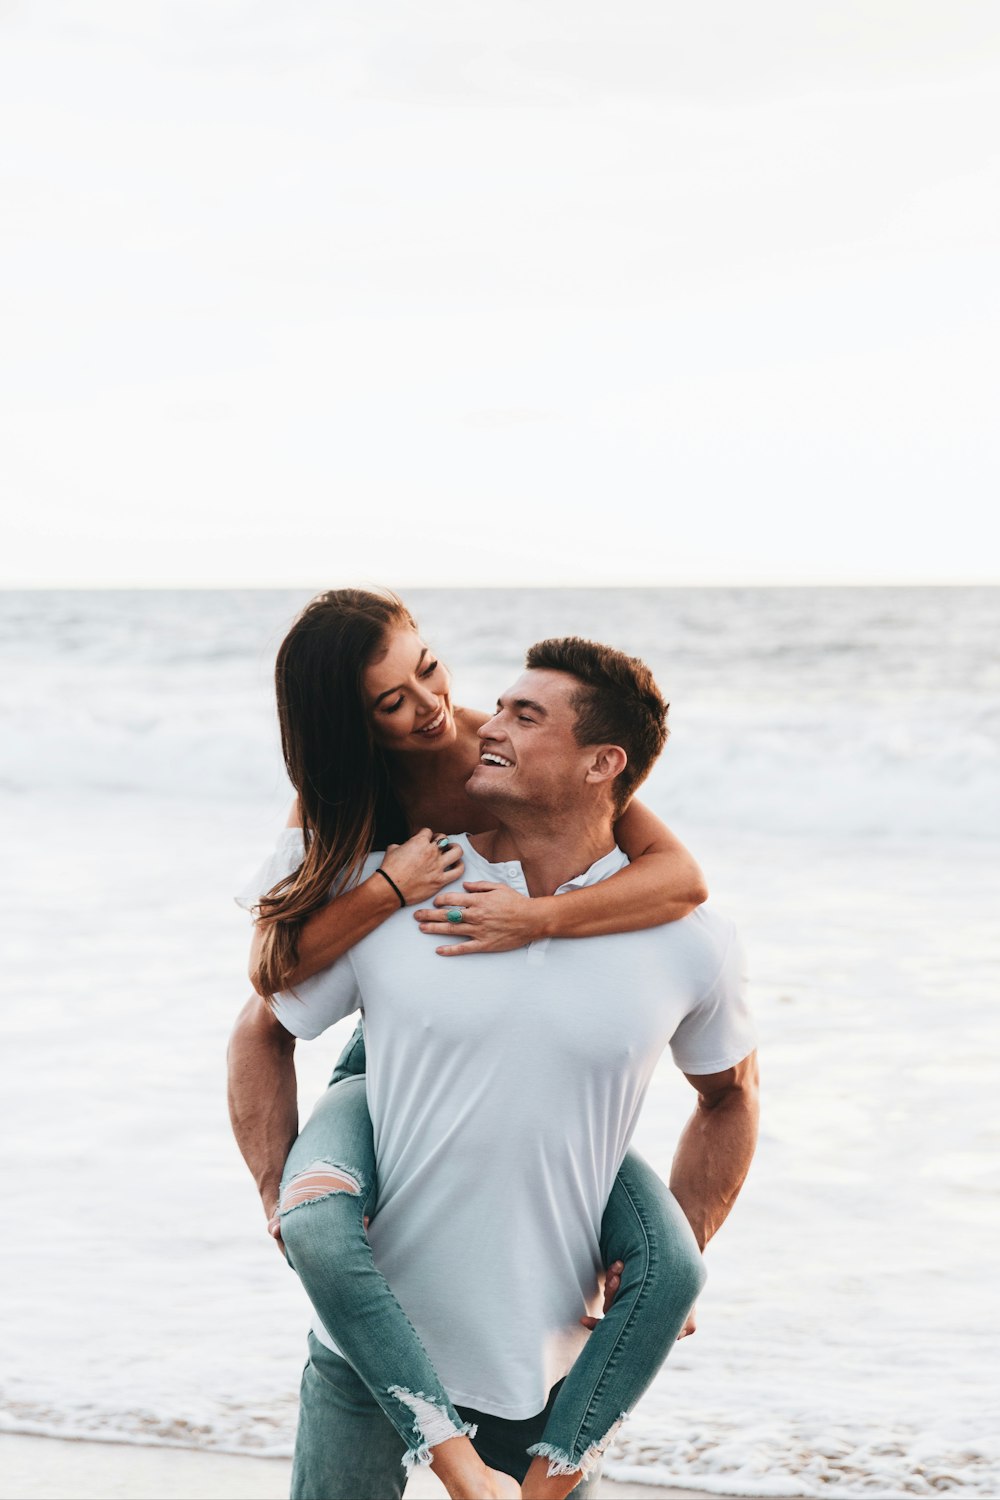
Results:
x,y
434,724
489,759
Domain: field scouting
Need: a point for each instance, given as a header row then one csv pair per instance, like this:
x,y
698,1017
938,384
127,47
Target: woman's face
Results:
x,y
408,692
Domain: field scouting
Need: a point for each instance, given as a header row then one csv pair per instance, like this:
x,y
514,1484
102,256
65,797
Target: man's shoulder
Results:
x,y
694,949
712,923
702,939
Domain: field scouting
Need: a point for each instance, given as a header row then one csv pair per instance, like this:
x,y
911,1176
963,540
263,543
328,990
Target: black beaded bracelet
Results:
x,y
386,876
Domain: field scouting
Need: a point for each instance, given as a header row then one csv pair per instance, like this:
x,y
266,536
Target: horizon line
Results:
x,y
7,586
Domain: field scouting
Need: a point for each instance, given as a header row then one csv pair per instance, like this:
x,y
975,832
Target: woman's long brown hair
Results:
x,y
332,759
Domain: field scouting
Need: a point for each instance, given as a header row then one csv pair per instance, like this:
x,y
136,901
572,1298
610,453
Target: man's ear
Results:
x,y
609,761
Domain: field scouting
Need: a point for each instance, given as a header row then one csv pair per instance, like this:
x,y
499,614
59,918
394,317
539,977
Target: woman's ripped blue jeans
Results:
x,y
329,1188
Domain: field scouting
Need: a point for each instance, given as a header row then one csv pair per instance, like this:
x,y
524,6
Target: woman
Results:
x,y
375,747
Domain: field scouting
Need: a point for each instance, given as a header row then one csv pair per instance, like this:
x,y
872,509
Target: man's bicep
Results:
x,y
743,1074
257,1023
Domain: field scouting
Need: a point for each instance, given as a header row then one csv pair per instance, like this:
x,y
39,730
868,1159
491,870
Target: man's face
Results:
x,y
528,752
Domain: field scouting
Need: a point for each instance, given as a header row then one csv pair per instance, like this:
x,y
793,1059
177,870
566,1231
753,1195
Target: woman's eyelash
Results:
x,y
390,708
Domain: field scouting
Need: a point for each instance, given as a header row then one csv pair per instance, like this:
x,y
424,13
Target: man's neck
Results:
x,y
550,852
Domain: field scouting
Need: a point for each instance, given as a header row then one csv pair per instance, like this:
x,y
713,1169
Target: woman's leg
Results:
x,y
327,1191
645,1228
345,1447
353,1061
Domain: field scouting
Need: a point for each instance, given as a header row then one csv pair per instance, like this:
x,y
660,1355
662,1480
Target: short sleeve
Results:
x,y
288,854
719,1031
318,1002
329,995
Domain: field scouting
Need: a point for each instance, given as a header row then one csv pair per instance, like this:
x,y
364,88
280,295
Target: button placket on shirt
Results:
x,y
534,952
538,950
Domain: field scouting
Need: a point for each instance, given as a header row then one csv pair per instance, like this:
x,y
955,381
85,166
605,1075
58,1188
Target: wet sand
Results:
x,y
39,1468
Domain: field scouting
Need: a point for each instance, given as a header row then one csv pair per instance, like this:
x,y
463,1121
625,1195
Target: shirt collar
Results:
x,y
509,871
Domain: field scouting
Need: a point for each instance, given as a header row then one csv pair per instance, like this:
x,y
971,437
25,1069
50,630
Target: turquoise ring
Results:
x,y
444,845
454,914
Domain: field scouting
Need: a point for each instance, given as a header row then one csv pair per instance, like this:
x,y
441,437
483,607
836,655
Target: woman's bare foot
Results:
x,y
464,1475
507,1487
538,1485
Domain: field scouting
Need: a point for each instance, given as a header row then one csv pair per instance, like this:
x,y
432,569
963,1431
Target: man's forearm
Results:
x,y
263,1103
714,1155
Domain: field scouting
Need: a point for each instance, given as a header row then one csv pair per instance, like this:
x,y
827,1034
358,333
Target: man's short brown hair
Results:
x,y
617,703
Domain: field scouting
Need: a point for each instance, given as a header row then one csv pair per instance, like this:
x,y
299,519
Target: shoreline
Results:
x,y
51,1468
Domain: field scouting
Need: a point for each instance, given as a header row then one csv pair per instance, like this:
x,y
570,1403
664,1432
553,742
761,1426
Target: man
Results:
x,y
503,1097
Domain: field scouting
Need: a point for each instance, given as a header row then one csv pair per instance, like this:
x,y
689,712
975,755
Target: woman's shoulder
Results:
x,y
470,718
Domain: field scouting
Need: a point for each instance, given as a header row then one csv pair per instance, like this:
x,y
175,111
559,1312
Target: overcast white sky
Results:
x,y
453,292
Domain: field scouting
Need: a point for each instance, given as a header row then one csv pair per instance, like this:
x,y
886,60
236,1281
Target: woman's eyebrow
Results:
x,y
389,691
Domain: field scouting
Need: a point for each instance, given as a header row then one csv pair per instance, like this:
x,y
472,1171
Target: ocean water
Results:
x,y
834,762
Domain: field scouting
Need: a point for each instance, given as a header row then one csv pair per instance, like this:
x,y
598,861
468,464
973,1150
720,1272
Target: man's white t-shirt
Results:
x,y
503,1091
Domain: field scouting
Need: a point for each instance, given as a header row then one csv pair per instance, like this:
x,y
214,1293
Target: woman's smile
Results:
x,y
437,726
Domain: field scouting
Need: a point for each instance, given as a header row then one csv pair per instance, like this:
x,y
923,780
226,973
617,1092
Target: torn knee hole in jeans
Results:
x,y
320,1180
